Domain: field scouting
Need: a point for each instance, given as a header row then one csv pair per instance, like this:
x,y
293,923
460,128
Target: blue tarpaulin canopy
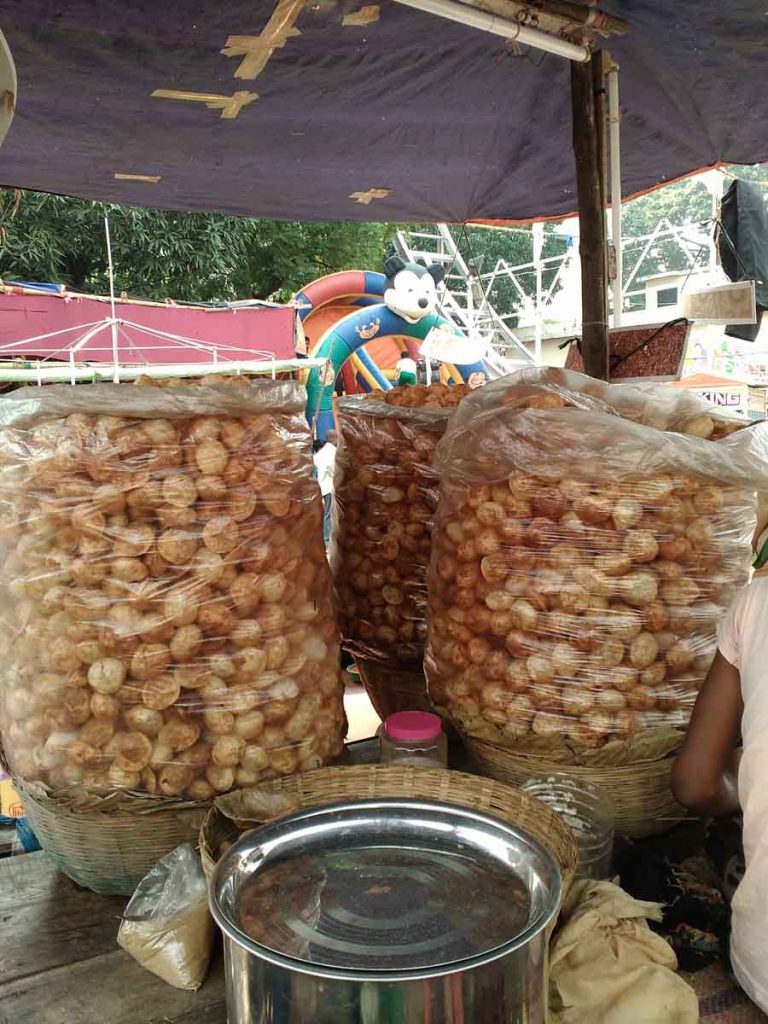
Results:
x,y
360,111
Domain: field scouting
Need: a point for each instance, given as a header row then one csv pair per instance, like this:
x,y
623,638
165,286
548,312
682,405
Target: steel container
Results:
x,y
386,912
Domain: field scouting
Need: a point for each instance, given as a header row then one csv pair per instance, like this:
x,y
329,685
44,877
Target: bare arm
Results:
x,y
703,777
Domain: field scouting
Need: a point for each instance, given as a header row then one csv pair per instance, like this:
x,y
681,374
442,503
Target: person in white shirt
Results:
x,y
723,764
405,368
325,462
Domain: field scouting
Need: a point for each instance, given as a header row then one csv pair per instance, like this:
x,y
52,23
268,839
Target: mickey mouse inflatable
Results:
x,y
410,290
409,313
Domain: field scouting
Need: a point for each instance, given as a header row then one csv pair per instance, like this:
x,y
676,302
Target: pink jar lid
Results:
x,y
413,725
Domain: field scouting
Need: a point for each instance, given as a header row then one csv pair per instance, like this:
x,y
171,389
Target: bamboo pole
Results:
x,y
587,136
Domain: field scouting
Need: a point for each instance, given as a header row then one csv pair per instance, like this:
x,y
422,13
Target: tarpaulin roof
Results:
x,y
49,326
360,111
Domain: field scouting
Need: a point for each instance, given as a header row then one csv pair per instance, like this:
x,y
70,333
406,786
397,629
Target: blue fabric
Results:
x,y
55,288
24,833
452,121
26,836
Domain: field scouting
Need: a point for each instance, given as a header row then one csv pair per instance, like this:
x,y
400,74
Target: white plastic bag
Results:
x,y
166,926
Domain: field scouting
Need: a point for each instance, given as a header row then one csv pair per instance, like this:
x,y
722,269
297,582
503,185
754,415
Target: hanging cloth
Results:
x,y
743,245
608,967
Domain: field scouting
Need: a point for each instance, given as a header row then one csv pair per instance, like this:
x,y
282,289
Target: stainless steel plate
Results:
x,y
384,886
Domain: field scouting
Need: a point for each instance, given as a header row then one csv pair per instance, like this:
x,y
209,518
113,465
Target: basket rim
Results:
x,y
506,753
544,916
555,835
118,805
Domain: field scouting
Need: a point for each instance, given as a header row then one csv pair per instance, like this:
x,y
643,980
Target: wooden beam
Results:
x,y
589,155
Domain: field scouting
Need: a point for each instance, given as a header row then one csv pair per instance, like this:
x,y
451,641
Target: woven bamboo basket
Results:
x,y
640,793
235,813
110,845
391,689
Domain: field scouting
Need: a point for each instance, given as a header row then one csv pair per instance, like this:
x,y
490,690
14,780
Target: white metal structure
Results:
x,y
468,297
689,239
62,358
464,300
614,138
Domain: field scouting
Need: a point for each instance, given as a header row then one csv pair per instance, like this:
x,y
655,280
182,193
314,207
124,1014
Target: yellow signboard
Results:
x,y
10,804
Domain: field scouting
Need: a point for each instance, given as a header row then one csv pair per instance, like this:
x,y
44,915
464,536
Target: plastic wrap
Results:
x,y
166,926
385,498
662,406
580,563
167,622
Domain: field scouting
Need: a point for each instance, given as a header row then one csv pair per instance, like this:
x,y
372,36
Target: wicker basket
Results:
x,y
110,846
225,821
391,689
640,792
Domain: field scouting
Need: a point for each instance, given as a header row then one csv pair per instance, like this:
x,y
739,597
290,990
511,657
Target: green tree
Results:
x,y
187,256
684,203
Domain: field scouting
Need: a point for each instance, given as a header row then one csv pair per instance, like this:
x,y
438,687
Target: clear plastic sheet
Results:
x,y
580,563
167,623
166,926
385,498
650,404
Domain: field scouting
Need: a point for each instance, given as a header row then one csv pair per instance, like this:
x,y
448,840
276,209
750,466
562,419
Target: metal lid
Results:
x,y
384,890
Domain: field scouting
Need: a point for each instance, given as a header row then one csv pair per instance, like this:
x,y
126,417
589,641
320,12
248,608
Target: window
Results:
x,y
666,297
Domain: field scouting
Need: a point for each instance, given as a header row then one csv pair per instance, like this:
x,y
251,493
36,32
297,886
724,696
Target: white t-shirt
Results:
x,y
743,641
325,461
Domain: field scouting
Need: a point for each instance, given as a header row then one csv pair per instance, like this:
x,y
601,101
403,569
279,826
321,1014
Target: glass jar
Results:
x,y
587,811
413,737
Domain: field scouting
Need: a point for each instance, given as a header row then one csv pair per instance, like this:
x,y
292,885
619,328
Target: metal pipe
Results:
x,y
538,244
113,318
96,329
474,18
65,373
614,141
9,346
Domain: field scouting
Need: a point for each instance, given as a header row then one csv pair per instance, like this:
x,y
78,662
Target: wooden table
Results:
x,y
60,962
59,958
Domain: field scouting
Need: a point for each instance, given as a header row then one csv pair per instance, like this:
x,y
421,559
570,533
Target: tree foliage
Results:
x,y
515,247
187,256
684,203
205,257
